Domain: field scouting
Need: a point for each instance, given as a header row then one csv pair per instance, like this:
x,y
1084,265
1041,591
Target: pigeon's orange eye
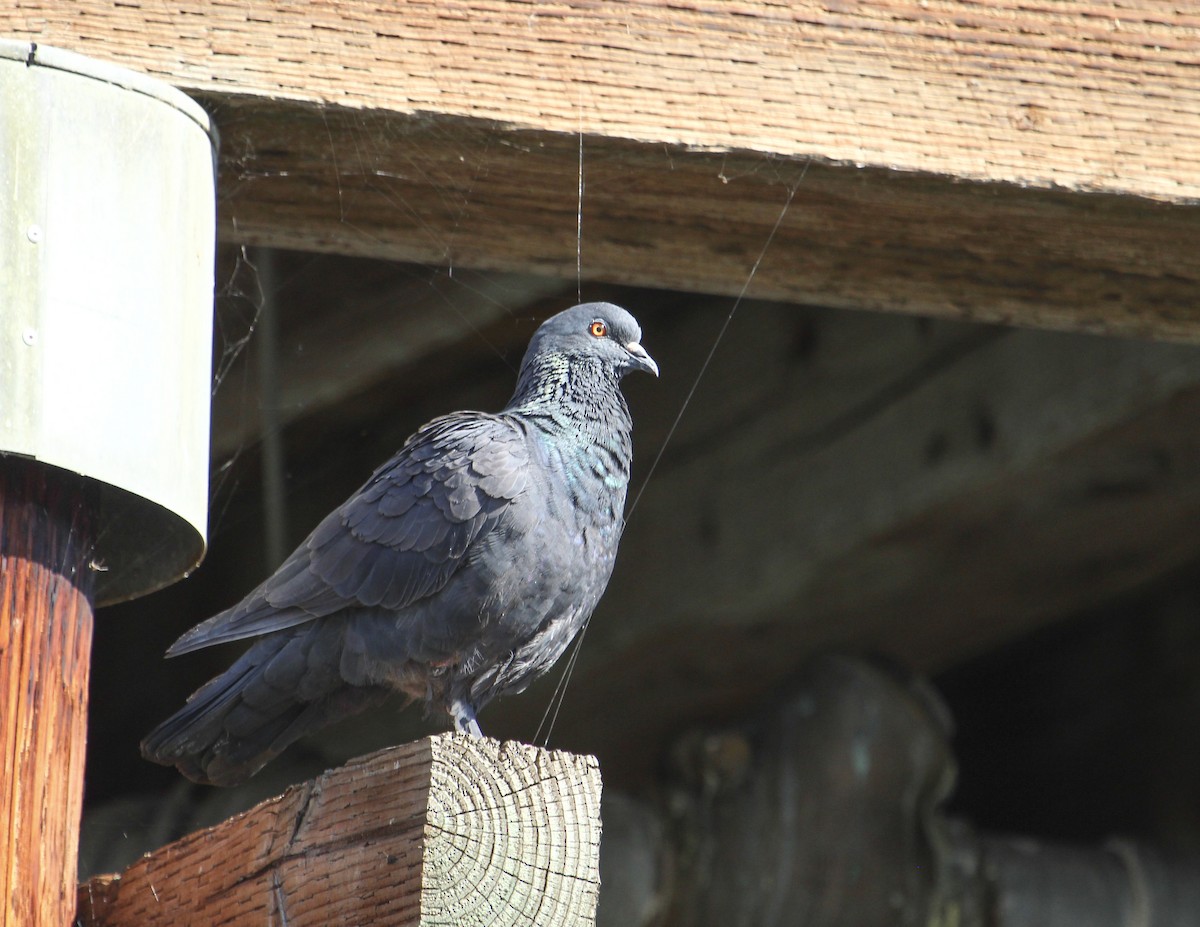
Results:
x,y
598,328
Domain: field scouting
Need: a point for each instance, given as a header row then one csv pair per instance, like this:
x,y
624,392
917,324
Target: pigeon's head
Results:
x,y
593,331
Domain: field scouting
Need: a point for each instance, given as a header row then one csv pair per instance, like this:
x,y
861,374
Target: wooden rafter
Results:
x,y
450,133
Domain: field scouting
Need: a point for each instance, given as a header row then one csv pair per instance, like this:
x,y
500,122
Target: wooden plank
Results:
x,y
1086,95
927,494
827,807
961,408
884,422
924,488
452,134
447,830
1014,881
819,811
700,222
45,653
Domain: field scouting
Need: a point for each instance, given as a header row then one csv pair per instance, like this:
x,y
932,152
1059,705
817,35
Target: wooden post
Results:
x,y
829,811
448,830
45,644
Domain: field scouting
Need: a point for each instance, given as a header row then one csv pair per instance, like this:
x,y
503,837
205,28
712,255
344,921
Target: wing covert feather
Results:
x,y
398,539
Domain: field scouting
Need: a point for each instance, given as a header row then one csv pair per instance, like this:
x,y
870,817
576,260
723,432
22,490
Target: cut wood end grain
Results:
x,y
445,830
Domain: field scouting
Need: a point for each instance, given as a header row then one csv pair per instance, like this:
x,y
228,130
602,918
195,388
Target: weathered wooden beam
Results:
x,y
821,811
828,808
926,490
453,135
46,532
1015,881
1088,95
446,830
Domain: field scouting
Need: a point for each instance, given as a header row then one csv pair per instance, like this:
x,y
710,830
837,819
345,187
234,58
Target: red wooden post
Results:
x,y
45,644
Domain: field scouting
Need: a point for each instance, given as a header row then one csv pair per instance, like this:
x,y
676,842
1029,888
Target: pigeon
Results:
x,y
460,571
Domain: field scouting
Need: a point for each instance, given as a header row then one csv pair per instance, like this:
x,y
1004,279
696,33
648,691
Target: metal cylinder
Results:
x,y
107,227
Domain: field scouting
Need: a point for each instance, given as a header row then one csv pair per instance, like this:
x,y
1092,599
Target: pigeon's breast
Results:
x,y
559,542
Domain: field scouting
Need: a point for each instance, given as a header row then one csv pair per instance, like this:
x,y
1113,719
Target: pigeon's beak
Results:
x,y
641,360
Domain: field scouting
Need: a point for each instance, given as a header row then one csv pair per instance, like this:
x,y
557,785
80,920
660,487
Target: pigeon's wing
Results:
x,y
398,539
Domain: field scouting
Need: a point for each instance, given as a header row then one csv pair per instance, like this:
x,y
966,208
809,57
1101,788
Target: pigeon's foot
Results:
x,y
464,718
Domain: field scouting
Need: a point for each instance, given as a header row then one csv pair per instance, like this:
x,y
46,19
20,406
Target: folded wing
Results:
x,y
399,539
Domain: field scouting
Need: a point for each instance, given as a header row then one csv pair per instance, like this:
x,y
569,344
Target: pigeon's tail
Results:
x,y
287,685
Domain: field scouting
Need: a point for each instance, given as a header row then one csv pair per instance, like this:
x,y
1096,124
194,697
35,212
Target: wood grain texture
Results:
x,y
45,649
929,491
446,830
450,133
1087,95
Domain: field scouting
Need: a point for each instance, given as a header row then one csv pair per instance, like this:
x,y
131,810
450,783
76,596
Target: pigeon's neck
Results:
x,y
573,398
576,409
